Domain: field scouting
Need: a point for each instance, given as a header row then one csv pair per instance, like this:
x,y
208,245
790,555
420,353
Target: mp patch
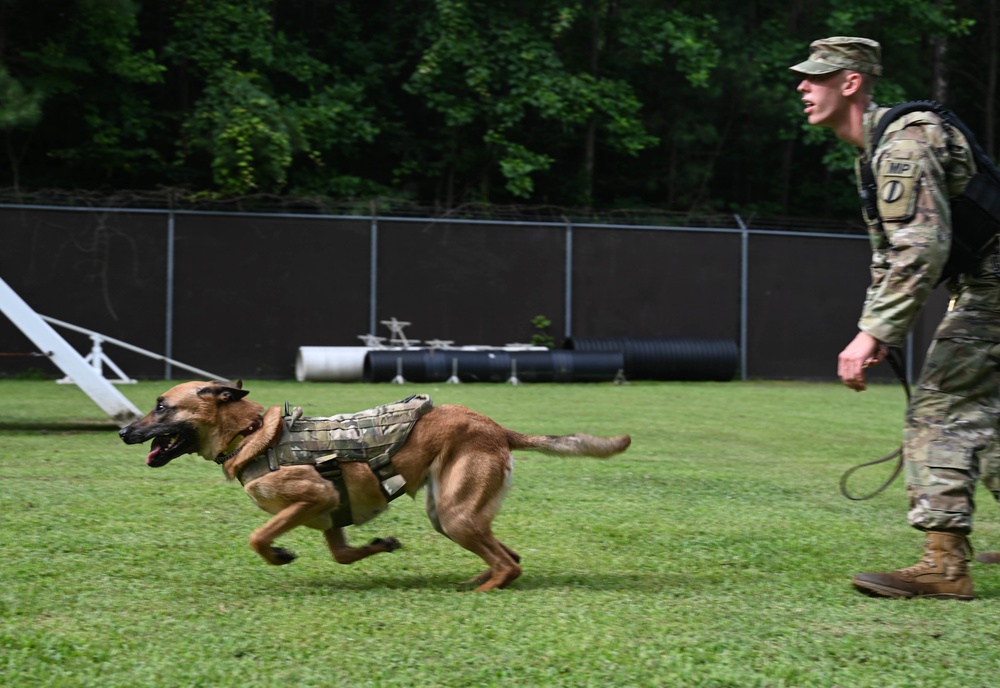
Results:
x,y
899,181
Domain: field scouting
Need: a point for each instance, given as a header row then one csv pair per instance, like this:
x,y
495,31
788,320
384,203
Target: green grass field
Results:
x,y
717,551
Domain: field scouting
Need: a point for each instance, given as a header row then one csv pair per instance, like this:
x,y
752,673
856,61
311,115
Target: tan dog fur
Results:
x,y
461,457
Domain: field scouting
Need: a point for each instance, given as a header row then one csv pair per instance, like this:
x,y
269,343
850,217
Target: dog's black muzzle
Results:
x,y
168,440
132,435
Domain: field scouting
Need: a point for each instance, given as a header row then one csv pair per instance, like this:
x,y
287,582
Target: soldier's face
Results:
x,y
826,105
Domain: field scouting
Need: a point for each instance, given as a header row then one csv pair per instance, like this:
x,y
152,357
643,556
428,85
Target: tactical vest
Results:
x,y
370,436
975,213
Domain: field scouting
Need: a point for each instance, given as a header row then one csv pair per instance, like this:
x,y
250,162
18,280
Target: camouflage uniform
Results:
x,y
950,435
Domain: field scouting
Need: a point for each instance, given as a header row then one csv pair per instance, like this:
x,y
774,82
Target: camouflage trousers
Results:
x,y
951,439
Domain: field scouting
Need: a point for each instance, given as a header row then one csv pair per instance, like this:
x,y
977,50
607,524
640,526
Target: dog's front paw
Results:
x,y
281,556
389,544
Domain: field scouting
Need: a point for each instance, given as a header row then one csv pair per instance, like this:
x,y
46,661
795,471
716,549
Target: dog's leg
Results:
x,y
343,553
488,573
285,520
513,555
461,503
503,567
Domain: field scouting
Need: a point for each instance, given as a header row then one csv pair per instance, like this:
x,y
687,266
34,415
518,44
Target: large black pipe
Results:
x,y
568,366
438,365
660,358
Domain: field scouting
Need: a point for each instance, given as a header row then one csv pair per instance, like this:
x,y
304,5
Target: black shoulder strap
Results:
x,y
984,165
894,113
975,214
983,162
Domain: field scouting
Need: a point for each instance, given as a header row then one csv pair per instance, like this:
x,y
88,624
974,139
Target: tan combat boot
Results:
x,y
942,573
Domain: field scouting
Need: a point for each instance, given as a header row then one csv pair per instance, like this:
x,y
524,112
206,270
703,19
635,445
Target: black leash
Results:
x,y
898,363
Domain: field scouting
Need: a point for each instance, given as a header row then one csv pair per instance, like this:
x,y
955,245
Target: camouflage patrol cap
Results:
x,y
842,52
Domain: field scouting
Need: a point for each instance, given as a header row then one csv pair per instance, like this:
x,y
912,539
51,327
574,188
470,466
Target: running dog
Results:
x,y
462,459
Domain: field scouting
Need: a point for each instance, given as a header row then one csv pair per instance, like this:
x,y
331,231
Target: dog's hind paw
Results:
x,y
281,556
389,544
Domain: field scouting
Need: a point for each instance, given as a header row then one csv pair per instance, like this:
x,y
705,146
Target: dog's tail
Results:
x,y
569,445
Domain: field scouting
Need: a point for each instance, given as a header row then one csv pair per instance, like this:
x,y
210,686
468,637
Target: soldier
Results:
x,y
950,432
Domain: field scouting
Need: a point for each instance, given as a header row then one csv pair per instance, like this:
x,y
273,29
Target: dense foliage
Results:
x,y
684,105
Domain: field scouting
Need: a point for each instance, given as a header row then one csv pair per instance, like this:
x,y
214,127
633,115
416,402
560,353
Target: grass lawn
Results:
x,y
717,551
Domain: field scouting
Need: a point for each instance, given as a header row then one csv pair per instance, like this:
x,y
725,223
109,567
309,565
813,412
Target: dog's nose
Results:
x,y
123,432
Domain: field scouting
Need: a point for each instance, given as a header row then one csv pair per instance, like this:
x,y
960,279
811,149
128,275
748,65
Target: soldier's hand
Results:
x,y
863,351
880,354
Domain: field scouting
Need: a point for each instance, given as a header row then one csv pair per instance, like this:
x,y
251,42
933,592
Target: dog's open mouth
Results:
x,y
163,449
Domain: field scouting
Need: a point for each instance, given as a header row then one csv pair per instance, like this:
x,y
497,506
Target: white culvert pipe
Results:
x,y
330,363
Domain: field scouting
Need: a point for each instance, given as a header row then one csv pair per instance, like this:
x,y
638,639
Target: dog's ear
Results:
x,y
224,391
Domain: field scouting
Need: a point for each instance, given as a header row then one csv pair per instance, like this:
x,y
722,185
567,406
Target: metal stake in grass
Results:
x,y
399,372
513,372
454,373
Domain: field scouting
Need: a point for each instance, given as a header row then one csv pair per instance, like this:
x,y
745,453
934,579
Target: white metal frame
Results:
x,y
104,394
86,372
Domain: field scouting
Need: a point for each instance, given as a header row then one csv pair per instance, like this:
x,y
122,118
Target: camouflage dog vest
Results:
x,y
370,436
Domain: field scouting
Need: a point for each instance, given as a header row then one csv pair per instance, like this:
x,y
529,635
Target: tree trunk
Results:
x,y
939,77
713,157
590,138
671,173
449,199
15,166
993,41
787,160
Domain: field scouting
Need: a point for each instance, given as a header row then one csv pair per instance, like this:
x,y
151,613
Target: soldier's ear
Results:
x,y
853,81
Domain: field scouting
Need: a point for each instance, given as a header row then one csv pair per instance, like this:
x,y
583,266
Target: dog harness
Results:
x,y
370,436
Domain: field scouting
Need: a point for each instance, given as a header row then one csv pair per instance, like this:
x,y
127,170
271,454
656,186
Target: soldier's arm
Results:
x,y
916,215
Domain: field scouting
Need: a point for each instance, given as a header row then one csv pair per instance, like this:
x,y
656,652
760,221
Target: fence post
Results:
x,y
744,288
373,270
568,290
168,345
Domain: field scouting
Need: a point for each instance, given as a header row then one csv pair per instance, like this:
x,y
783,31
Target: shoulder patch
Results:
x,y
898,176
900,168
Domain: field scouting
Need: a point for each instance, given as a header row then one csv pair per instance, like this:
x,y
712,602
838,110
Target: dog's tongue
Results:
x,y
155,451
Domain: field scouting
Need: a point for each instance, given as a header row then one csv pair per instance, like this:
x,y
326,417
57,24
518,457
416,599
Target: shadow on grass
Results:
x,y
632,582
58,426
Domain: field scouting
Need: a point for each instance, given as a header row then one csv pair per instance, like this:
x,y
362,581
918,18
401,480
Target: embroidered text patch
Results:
x,y
899,181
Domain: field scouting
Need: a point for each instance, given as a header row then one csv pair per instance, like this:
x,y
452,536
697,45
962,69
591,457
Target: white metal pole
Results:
x,y
104,394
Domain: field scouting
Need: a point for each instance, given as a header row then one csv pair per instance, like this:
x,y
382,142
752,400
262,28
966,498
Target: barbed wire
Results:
x,y
173,198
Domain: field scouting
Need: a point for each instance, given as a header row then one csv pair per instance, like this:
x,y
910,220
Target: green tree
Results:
x,y
83,71
19,109
686,106
264,97
491,70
